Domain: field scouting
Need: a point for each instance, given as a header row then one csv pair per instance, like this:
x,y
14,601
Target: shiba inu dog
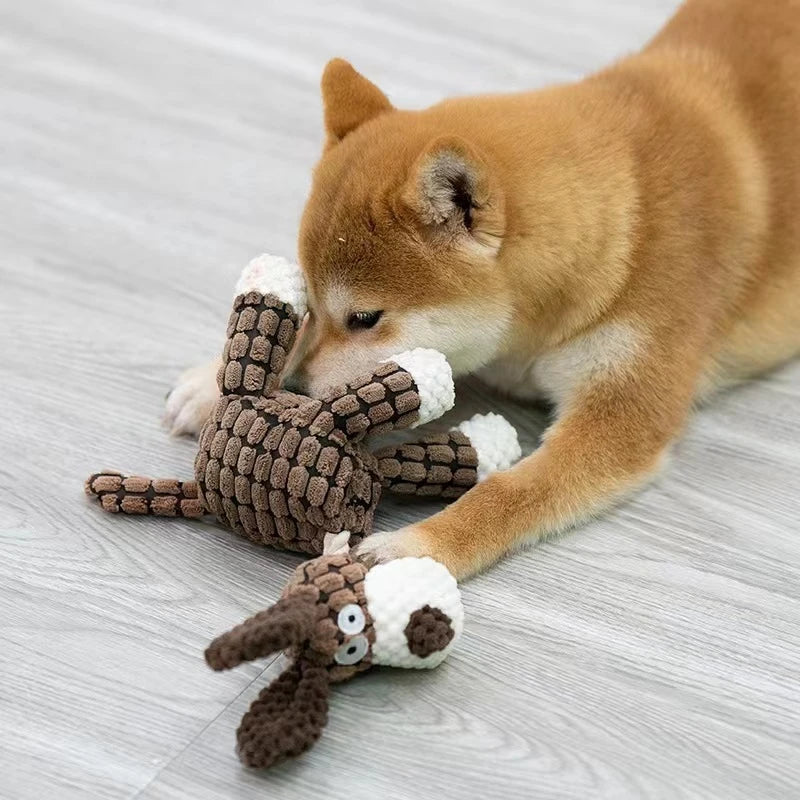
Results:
x,y
622,246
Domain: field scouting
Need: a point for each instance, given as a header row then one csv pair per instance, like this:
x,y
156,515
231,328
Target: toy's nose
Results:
x,y
429,631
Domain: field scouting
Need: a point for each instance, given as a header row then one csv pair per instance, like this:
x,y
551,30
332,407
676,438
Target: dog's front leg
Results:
x,y
610,438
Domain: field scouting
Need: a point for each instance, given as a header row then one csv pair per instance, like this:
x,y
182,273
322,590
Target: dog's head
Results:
x,y
399,241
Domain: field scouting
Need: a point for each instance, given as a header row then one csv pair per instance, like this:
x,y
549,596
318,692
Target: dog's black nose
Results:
x,y
294,383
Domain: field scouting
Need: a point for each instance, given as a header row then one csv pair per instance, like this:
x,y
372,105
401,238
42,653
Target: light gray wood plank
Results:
x,y
149,149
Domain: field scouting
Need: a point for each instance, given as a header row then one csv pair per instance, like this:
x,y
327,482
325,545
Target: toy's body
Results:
x,y
292,471
284,469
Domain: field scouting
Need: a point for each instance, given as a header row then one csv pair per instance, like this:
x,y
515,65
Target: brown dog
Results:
x,y
621,246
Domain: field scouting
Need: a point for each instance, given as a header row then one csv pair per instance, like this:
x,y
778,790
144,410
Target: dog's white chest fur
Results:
x,y
607,350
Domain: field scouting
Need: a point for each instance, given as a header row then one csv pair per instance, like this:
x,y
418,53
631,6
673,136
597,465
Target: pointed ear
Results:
x,y
450,189
348,100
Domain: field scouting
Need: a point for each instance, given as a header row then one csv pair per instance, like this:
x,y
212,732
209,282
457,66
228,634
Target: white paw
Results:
x,y
495,440
275,275
378,548
192,400
434,379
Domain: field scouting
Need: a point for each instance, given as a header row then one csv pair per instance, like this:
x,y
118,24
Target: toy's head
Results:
x,y
335,619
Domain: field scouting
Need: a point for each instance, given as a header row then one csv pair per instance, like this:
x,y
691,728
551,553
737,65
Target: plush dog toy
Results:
x,y
284,469
335,619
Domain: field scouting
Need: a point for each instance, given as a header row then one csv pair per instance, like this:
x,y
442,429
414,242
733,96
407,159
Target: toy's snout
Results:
x,y
417,612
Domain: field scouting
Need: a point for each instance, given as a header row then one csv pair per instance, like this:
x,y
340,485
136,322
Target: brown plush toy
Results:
x,y
337,618
284,469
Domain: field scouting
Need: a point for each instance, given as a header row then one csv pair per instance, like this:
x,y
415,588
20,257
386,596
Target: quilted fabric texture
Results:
x,y
305,621
284,469
333,582
134,494
261,332
289,715
440,465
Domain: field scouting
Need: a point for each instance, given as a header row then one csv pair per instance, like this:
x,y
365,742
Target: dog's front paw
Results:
x,y
192,400
379,548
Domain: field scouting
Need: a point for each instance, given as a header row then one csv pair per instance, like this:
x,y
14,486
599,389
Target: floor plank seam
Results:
x,y
205,727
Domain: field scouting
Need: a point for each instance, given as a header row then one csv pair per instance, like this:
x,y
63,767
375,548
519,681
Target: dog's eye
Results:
x,y
351,619
361,320
353,650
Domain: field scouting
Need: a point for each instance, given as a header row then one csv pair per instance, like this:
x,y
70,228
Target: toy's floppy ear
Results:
x,y
286,718
450,191
289,622
349,100
289,715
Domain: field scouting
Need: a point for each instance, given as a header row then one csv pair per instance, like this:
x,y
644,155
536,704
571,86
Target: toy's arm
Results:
x,y
408,390
440,465
448,464
269,307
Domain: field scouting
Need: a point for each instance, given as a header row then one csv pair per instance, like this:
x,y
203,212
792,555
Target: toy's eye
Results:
x,y
361,320
351,619
352,651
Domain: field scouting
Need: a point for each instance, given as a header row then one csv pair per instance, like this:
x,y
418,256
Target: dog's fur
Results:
x,y
621,246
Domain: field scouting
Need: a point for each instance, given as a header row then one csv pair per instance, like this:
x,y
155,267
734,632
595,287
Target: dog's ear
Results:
x,y
349,100
450,190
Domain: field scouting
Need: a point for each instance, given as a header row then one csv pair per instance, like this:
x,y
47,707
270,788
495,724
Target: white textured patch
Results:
x,y
334,543
495,439
469,334
434,380
606,351
394,591
275,275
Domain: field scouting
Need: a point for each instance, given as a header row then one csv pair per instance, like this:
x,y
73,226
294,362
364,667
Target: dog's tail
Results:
x,y
133,494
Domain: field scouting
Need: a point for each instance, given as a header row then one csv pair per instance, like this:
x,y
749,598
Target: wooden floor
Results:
x,y
147,150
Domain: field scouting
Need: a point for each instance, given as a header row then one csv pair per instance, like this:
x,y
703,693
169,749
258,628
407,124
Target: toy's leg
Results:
x,y
269,306
267,311
448,464
133,494
440,465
